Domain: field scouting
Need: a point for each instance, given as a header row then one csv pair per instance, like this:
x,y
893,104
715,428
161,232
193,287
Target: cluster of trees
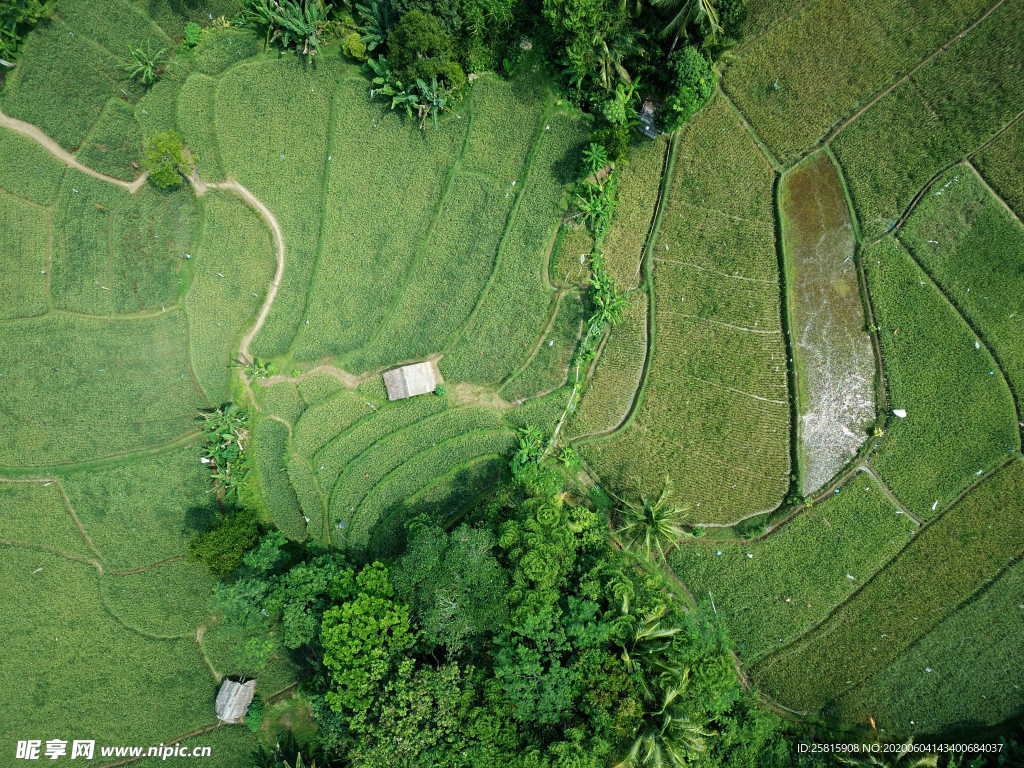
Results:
x,y
611,53
521,637
169,162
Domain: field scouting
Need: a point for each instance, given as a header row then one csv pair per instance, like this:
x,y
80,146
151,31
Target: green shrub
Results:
x,y
455,76
692,84
221,547
449,13
420,47
166,159
731,15
441,390
615,139
480,58
254,717
193,34
620,108
354,46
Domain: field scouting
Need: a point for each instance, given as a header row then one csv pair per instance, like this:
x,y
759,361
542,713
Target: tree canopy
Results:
x,y
521,637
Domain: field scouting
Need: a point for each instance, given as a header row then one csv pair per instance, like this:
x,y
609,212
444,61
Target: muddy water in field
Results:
x,y
832,352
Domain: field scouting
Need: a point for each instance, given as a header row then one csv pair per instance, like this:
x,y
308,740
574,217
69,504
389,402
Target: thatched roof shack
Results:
x,y
233,700
411,380
648,126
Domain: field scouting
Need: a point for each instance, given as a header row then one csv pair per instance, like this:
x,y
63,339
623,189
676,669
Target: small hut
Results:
x,y
233,700
411,380
648,126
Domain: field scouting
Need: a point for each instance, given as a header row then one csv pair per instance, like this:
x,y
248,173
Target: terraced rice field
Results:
x,y
905,601
942,378
922,123
850,53
914,692
714,414
946,110
769,591
973,248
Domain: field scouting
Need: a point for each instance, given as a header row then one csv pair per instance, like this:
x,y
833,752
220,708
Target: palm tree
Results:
x,y
666,738
653,526
700,13
904,757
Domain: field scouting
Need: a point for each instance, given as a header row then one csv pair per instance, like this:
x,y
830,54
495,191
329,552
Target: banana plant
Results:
x,y
388,85
374,23
144,65
226,434
295,23
433,100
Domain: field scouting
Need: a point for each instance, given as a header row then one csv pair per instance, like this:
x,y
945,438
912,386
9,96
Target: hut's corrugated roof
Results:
x,y
233,700
410,380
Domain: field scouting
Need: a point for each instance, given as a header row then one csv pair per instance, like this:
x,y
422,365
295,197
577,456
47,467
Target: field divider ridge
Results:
x,y
52,551
991,190
792,646
647,289
870,470
769,155
78,523
838,127
113,459
387,436
556,304
538,131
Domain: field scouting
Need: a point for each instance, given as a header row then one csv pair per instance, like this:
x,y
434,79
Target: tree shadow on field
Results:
x,y
468,488
566,169
977,732
199,519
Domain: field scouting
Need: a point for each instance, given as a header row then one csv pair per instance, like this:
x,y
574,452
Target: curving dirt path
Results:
x,y
270,220
343,377
55,149
200,187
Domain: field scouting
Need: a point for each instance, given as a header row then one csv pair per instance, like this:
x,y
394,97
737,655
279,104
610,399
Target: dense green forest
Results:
x,y
610,55
519,634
